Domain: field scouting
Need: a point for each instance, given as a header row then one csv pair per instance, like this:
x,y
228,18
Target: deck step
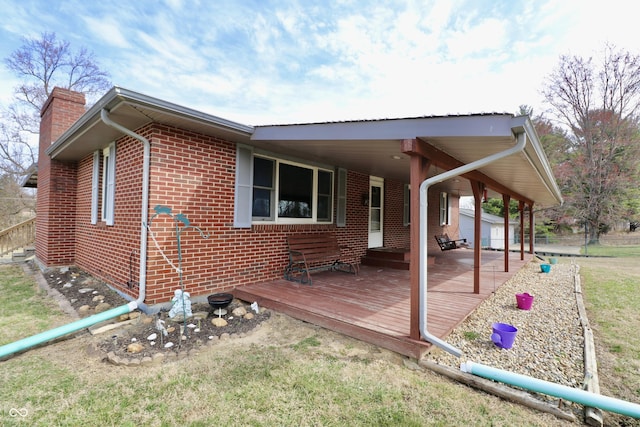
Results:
x,y
395,258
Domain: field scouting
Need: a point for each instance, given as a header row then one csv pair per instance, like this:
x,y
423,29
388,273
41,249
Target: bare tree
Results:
x,y
41,64
598,104
47,62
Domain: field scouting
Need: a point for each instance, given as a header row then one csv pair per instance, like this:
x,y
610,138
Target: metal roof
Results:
x,y
374,148
371,147
134,110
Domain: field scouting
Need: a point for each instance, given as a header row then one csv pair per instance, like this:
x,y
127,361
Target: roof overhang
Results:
x,y
30,178
133,111
375,148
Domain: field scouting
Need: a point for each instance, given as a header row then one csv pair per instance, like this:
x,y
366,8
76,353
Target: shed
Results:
x,y
492,229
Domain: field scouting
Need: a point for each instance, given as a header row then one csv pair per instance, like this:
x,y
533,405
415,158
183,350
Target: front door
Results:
x,y
376,206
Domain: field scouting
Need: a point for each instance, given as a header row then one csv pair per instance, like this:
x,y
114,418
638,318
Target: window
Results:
x,y
104,193
406,213
281,191
444,208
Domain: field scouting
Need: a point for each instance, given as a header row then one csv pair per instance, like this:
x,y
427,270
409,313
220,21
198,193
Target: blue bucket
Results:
x,y
545,268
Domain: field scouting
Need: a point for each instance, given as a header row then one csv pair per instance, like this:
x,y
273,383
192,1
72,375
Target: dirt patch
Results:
x,y
137,336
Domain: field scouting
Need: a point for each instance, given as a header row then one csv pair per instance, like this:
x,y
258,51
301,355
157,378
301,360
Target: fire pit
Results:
x,y
219,302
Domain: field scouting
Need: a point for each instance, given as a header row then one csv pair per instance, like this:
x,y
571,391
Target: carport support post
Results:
x,y
521,210
532,229
506,199
478,189
419,172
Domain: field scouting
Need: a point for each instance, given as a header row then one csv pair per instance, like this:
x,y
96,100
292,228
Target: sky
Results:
x,y
261,62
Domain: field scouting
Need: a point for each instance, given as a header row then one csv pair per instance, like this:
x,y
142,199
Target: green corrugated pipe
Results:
x,y
51,334
577,395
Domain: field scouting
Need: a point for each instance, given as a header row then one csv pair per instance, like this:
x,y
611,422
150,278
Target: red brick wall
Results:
x,y
434,226
396,234
195,175
55,222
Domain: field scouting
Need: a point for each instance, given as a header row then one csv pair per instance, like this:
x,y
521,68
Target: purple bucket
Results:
x,y
524,301
503,335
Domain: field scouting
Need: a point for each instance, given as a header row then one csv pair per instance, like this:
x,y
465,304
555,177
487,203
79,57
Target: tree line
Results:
x,y
589,129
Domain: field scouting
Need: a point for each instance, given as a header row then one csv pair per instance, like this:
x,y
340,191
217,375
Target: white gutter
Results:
x,y
51,334
424,188
104,115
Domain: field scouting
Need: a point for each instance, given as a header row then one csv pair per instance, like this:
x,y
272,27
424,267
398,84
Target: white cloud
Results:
x,y
288,60
107,30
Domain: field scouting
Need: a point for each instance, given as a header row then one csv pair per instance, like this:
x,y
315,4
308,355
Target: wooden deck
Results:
x,y
374,305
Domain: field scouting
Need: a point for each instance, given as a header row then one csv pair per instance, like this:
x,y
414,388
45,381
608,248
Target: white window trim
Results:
x,y
276,196
445,209
406,207
95,187
108,183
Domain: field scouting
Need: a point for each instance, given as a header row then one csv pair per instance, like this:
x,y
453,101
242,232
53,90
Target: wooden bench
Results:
x,y
447,244
316,251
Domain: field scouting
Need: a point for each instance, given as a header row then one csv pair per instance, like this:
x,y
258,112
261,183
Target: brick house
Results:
x,y
102,171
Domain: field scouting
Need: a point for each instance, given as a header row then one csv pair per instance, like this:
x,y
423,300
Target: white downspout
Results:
x,y
51,334
424,188
104,115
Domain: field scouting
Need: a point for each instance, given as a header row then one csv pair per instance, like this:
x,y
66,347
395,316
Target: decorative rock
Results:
x,y
239,311
67,285
134,339
134,315
146,361
103,306
196,330
191,325
135,347
84,309
152,337
97,298
545,332
158,357
168,345
171,329
249,316
219,322
152,343
85,290
147,320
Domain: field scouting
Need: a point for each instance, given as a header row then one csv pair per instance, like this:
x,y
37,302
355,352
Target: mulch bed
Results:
x,y
88,295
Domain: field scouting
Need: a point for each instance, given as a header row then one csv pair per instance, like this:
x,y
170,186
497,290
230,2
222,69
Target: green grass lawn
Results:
x,y
611,251
288,373
611,288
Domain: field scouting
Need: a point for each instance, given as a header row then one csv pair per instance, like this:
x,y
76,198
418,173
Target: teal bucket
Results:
x,y
553,261
545,268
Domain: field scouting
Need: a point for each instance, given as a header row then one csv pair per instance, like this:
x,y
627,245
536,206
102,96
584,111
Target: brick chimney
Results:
x,y
57,181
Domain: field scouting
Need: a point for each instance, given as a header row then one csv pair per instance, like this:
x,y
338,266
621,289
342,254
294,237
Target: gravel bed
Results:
x,y
549,344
